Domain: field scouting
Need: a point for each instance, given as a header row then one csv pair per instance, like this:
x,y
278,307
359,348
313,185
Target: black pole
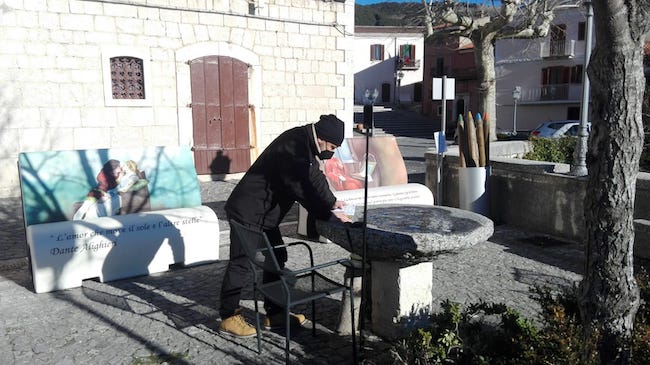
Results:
x,y
369,125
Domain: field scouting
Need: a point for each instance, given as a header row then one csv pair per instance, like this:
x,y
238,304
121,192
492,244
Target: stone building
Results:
x,y
546,72
222,76
388,59
453,58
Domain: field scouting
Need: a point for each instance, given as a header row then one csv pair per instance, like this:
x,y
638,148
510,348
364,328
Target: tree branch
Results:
x,y
513,19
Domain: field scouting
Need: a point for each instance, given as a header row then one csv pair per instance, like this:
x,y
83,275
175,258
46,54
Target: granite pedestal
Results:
x,y
401,242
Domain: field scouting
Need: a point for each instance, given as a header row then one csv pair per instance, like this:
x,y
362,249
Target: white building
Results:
x,y
548,71
388,58
86,74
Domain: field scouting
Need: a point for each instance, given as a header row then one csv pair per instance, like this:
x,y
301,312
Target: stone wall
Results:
x,y
54,69
539,197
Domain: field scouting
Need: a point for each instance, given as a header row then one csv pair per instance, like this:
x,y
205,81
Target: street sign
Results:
x,y
450,88
444,89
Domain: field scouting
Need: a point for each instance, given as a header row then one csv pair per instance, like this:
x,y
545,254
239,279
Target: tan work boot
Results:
x,y
277,320
237,326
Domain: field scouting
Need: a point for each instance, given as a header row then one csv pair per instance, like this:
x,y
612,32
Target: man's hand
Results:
x,y
338,213
341,216
338,205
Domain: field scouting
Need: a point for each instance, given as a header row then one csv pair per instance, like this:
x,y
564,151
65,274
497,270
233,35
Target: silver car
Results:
x,y
557,129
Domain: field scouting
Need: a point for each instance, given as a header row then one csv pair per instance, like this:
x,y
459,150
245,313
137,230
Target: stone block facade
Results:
x,y
55,80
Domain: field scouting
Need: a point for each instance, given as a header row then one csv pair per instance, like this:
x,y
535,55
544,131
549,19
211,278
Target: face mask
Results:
x,y
326,155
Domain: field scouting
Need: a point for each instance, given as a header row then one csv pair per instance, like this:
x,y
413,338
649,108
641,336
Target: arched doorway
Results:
x,y
220,115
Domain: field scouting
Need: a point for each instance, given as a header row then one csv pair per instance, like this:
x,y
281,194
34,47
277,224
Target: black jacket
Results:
x,y
287,171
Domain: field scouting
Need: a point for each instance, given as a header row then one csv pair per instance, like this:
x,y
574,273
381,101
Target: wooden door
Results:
x,y
385,92
220,115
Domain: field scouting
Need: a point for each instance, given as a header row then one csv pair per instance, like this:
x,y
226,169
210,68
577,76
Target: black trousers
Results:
x,y
238,274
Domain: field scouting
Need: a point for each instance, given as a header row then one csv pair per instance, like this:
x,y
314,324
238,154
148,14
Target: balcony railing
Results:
x,y
558,49
555,92
407,64
550,93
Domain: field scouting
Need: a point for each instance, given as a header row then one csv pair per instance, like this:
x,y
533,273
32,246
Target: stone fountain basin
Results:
x,y
408,233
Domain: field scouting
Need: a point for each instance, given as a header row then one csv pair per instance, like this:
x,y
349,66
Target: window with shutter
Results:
x,y
581,31
576,74
127,78
376,52
407,54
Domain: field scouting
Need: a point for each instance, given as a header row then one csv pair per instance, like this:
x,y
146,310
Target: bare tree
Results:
x,y
523,19
609,293
610,296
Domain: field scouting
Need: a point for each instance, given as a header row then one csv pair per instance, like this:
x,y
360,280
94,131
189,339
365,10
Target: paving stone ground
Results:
x,y
172,317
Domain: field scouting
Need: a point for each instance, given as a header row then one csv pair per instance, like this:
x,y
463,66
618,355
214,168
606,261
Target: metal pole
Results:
x,y
364,279
579,166
516,95
514,120
399,85
369,125
443,125
444,105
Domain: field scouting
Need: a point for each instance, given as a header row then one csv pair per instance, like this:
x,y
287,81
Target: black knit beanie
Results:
x,y
330,128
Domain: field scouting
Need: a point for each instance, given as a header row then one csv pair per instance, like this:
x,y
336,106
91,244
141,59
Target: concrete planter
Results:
x,y
538,196
473,189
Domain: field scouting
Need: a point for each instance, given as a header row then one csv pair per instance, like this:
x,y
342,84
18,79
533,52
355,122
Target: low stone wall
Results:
x,y
539,196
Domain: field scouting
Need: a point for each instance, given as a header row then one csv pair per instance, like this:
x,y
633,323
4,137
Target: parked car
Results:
x,y
557,129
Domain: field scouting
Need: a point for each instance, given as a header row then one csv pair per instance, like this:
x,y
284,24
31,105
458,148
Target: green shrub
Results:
x,y
552,149
482,333
485,333
560,340
504,136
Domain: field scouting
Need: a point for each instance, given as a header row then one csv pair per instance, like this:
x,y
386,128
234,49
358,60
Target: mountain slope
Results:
x,y
387,14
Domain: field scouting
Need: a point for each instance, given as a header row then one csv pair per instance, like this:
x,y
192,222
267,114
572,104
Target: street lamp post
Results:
x,y
369,125
516,95
579,166
369,98
398,75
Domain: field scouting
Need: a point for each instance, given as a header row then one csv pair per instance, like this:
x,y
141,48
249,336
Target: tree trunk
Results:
x,y
484,60
610,296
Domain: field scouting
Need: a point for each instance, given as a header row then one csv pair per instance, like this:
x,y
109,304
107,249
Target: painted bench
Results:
x,y
112,214
387,178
